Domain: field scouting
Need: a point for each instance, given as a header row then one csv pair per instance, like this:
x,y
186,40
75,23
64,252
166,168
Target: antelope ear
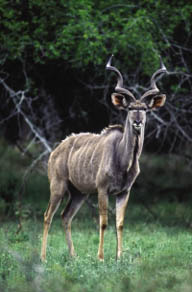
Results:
x,y
119,101
157,101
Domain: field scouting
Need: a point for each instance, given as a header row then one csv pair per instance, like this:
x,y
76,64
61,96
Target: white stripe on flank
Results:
x,y
86,171
91,160
79,162
71,151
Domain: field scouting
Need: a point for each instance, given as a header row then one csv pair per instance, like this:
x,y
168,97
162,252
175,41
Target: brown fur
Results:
x,y
106,164
92,163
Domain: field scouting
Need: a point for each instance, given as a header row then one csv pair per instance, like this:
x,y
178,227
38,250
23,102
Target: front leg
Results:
x,y
121,203
103,221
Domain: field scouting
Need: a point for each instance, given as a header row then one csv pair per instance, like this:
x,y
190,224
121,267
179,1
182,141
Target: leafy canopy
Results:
x,y
86,32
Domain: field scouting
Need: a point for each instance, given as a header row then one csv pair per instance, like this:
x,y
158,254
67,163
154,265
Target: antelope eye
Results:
x,y
143,109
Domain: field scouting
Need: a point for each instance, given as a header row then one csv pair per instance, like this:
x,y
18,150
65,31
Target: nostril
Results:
x,y
138,122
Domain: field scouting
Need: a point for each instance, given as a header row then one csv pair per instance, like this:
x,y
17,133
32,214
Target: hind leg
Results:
x,y
57,188
74,204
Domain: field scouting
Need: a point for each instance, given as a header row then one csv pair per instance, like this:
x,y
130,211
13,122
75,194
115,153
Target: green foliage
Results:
x,y
163,177
10,175
14,191
157,256
85,32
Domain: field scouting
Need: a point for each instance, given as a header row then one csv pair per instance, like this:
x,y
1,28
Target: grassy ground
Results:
x,y
157,253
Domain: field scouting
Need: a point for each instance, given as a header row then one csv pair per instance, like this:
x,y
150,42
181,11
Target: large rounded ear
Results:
x,y
157,101
119,101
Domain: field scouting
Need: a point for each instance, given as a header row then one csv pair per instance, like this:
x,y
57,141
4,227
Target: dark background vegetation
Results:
x,y
53,82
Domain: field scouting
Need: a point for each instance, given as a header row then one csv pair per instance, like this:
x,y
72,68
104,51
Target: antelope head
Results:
x,y
136,109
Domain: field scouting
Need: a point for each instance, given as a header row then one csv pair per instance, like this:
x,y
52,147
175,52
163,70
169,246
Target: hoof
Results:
x,y
101,258
43,259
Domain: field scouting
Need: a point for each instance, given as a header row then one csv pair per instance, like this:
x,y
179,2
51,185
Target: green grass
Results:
x,y
157,254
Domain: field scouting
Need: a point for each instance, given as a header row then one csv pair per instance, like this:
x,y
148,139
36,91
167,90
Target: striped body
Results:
x,y
107,164
88,160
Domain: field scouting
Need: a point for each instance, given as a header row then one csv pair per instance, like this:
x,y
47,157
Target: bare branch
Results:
x,y
18,98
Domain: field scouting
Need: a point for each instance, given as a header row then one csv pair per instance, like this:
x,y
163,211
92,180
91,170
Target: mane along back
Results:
x,y
111,128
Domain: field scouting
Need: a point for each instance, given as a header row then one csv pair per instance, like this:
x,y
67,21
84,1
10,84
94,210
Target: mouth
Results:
x,y
137,127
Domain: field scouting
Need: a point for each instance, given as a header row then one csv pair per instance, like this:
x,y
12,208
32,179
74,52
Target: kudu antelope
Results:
x,y
106,163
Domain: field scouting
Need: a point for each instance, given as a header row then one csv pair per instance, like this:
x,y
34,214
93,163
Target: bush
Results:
x,y
14,190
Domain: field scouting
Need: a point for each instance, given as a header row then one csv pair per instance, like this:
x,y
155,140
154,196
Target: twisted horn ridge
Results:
x,y
119,87
154,87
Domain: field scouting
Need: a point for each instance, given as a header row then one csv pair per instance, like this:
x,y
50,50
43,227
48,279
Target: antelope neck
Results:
x,y
130,146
